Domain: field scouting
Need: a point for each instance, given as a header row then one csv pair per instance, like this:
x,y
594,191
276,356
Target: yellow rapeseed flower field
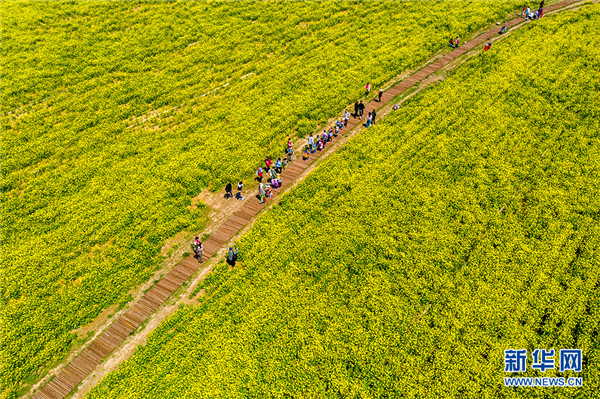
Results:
x,y
463,225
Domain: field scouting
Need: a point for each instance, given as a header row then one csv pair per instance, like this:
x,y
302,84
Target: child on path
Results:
x,y
306,155
320,145
268,192
238,195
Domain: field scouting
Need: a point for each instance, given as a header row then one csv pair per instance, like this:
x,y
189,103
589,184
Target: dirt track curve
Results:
x,y
92,356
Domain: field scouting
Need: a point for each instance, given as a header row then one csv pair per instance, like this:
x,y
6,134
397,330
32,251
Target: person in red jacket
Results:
x,y
268,163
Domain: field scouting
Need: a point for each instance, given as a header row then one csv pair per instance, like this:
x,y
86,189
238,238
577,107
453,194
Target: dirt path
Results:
x,y
221,210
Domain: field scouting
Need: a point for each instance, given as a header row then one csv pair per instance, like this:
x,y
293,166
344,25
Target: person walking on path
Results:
x,y
311,143
368,120
290,144
524,9
278,165
361,109
356,106
290,155
228,193
232,256
368,89
346,117
198,249
379,94
373,115
240,186
456,42
268,163
259,174
261,192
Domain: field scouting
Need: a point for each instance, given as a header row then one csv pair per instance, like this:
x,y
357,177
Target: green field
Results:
x,y
114,114
462,225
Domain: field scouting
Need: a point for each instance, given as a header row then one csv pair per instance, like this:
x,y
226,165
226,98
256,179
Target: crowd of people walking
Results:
x,y
268,175
530,14
272,169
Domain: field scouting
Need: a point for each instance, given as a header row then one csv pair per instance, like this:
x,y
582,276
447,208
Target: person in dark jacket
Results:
x,y
356,109
240,186
232,256
361,109
228,193
198,249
